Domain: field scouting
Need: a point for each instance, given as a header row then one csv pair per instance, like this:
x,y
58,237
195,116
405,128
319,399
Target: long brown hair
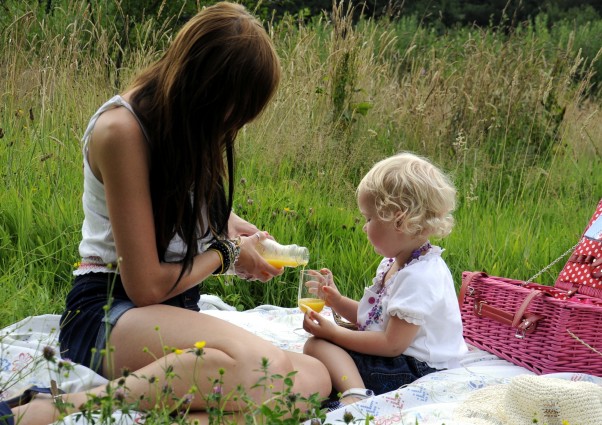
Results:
x,y
218,74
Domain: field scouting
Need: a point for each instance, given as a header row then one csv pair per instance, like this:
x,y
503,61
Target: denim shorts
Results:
x,y
94,304
384,374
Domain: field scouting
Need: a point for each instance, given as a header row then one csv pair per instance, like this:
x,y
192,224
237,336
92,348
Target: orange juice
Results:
x,y
284,262
316,304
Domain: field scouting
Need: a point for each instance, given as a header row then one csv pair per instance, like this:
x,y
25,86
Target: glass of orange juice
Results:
x,y
310,291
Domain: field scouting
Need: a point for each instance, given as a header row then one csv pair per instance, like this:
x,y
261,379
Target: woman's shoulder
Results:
x,y
116,124
116,133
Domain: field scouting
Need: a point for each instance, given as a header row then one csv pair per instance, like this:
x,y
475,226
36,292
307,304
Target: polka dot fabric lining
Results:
x,y
582,274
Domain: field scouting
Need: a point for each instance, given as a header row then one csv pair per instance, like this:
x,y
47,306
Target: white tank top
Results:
x,y
97,247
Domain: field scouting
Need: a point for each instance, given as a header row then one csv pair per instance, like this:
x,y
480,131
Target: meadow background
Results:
x,y
511,113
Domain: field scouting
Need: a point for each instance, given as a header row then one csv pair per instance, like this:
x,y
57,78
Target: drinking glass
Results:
x,y
310,291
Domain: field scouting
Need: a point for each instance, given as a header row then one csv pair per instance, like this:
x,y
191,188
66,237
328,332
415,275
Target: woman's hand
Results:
x,y
250,264
240,227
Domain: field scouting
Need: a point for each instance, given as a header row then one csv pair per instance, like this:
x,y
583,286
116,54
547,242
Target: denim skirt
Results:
x,y
384,374
94,304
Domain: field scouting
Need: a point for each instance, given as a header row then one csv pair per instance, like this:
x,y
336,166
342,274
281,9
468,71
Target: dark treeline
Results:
x,y
122,19
443,13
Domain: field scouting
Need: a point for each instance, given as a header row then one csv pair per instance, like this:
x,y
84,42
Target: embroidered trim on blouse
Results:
x,y
376,312
94,265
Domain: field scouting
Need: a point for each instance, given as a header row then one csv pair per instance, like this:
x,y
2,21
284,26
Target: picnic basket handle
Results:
x,y
520,320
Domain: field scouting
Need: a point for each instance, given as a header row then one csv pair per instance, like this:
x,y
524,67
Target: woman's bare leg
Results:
x,y
143,366
142,334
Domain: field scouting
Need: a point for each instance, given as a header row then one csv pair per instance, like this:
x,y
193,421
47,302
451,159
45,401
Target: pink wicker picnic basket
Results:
x,y
542,328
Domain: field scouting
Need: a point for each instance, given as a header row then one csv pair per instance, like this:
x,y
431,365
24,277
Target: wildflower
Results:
x,y
348,417
250,201
77,264
199,344
460,143
187,399
119,395
290,212
177,351
48,353
217,389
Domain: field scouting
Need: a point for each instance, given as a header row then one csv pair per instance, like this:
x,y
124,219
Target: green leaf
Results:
x,y
362,107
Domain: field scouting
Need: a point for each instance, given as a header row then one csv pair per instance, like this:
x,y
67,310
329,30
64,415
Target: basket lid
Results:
x,y
583,270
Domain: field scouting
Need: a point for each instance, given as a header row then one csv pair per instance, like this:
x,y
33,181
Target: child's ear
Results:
x,y
398,221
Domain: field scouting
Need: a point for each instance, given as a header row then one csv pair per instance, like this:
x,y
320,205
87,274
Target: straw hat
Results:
x,y
550,401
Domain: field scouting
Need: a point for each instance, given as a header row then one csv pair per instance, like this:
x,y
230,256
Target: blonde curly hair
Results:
x,y
411,191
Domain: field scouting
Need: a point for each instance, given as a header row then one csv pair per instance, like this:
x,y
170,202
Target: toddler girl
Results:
x,y
408,321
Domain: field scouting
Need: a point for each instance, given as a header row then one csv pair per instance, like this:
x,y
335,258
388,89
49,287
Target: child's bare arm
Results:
x,y
390,343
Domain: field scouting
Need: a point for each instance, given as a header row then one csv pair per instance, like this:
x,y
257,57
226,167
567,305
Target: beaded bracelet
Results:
x,y
228,251
225,253
235,246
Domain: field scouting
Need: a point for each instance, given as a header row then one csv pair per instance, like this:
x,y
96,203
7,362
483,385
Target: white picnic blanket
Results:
x,y
430,400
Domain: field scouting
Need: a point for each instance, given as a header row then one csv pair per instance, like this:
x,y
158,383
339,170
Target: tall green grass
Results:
x,y
511,116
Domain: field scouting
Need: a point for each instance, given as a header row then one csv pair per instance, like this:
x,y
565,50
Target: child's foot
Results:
x,y
350,396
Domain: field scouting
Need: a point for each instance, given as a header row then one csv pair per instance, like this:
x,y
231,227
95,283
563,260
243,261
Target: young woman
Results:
x,y
158,190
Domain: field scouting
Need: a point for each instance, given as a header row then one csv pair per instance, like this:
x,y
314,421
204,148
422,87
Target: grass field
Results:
x,y
512,117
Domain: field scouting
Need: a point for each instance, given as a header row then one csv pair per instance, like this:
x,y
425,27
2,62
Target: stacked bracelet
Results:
x,y
228,252
235,244
223,250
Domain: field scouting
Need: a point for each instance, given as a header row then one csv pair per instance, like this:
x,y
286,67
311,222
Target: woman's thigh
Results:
x,y
144,334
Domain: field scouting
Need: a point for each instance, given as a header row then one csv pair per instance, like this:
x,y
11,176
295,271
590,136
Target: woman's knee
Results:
x,y
276,361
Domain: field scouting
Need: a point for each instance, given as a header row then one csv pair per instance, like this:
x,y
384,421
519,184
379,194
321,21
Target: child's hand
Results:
x,y
318,325
329,292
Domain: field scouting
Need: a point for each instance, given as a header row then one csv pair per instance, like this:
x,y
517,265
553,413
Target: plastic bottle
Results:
x,y
283,255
